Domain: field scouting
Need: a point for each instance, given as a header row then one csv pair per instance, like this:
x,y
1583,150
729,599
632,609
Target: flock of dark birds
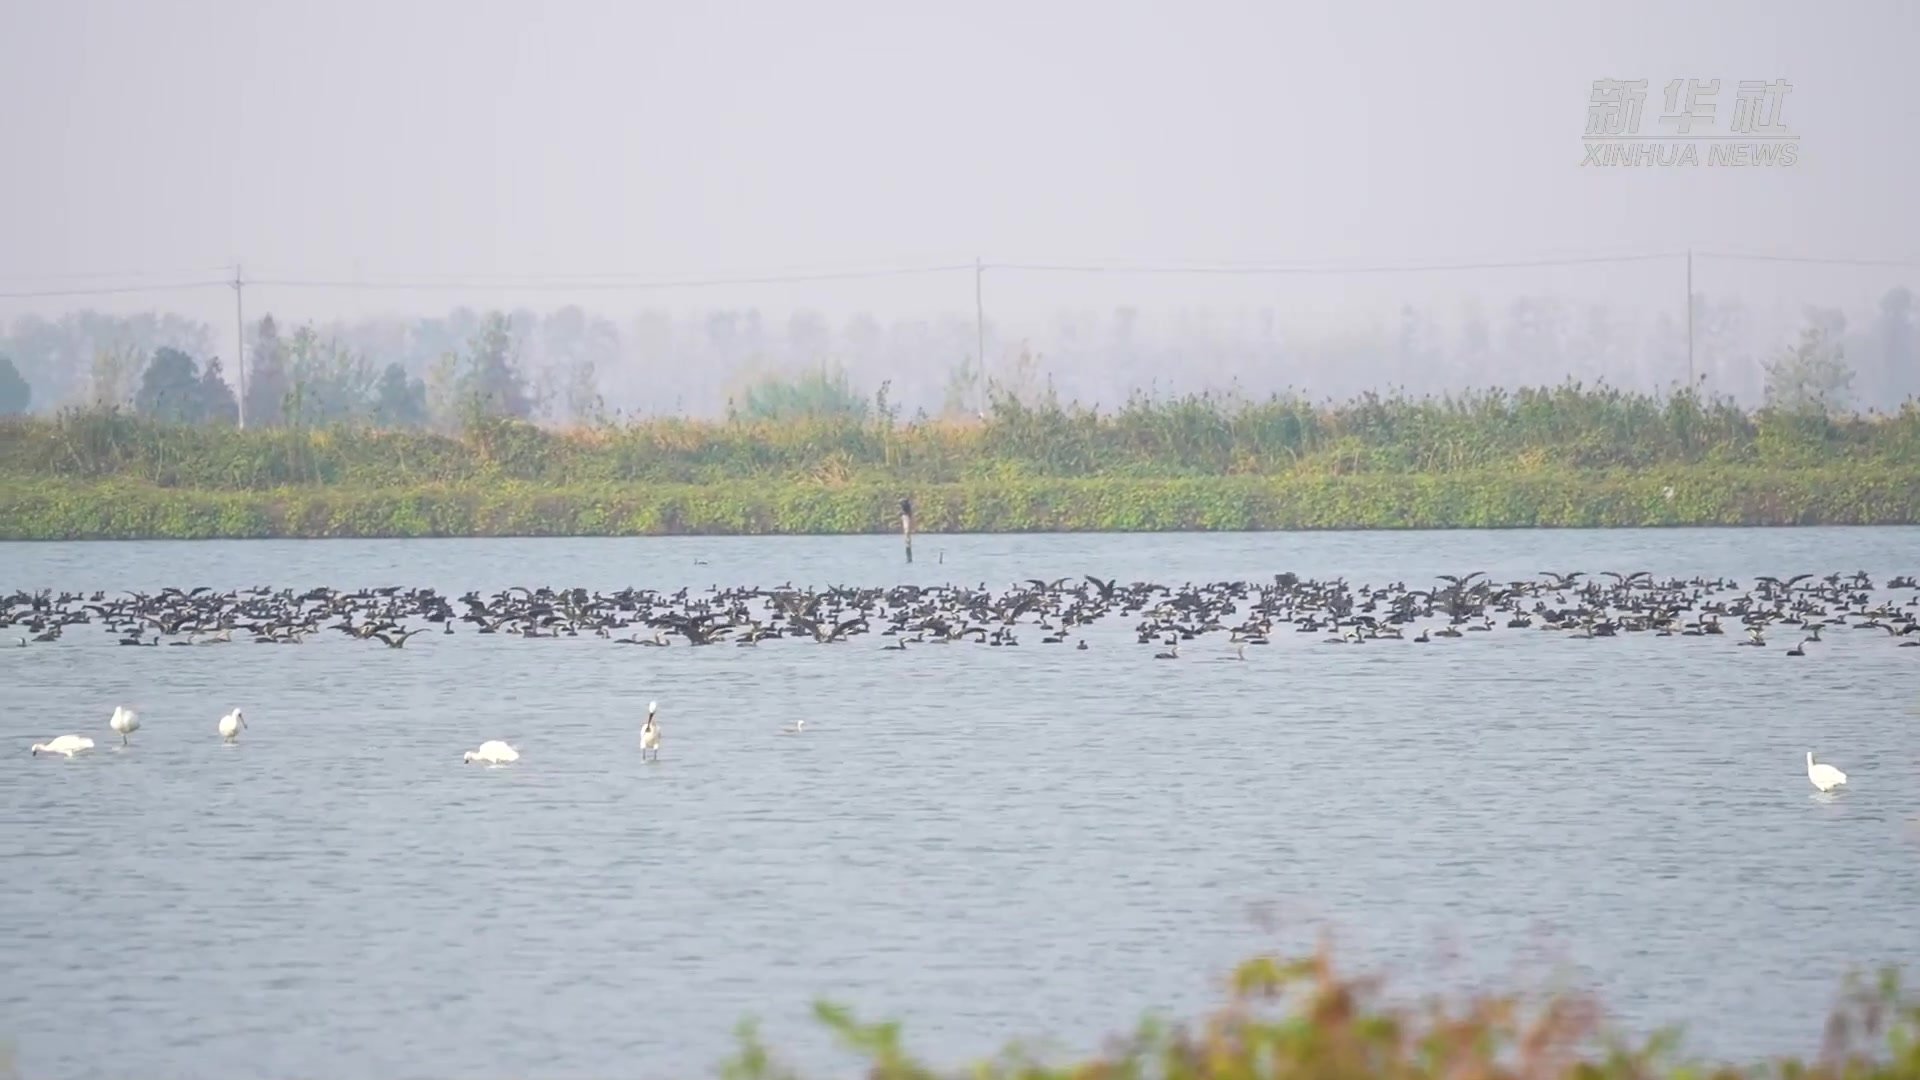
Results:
x,y
1793,612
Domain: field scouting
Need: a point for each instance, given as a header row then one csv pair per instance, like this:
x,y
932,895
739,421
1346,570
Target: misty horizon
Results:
x,y
364,165
702,363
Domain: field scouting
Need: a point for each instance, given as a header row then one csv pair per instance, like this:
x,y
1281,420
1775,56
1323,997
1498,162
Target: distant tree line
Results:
x,y
302,380
15,395
570,367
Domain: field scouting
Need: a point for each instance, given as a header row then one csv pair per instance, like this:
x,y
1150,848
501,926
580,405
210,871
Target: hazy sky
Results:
x,y
431,137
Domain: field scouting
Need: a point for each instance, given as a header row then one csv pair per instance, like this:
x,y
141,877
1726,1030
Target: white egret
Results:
x,y
1824,776
65,744
650,733
124,722
491,752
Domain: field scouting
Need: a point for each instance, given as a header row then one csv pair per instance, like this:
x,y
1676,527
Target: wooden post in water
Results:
x,y
906,525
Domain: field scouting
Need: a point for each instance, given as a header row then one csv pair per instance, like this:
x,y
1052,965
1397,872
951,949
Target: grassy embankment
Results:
x,y
1563,456
1304,1020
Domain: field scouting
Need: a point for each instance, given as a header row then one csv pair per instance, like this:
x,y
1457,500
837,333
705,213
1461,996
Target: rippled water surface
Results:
x,y
987,843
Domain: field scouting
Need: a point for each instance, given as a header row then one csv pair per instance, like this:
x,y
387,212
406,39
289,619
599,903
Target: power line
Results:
x,y
601,284
1329,268
41,294
639,283
1810,259
96,275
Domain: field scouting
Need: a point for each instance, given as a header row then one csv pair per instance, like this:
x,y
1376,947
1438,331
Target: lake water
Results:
x,y
984,843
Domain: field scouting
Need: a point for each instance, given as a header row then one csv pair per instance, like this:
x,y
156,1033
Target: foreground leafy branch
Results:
x,y
1305,1020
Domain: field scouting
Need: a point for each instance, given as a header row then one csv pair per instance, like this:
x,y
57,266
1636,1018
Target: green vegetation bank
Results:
x,y
1563,456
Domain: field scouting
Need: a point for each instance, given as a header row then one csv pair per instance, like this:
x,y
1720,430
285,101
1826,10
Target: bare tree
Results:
x,y
1811,377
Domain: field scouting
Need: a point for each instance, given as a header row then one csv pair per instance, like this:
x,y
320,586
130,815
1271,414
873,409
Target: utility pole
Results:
x,y
1689,319
980,331
240,340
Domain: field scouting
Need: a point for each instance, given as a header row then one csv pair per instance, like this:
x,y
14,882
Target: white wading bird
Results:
x,y
1824,776
491,752
124,723
650,733
65,744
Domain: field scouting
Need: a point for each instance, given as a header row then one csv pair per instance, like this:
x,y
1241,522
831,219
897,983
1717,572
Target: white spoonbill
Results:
x,y
491,752
124,723
231,724
650,733
65,744
1824,776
